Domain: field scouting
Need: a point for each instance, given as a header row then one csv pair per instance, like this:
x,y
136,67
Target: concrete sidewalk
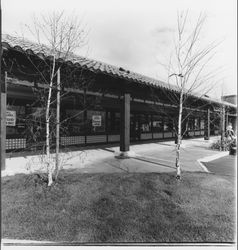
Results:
x,y
151,157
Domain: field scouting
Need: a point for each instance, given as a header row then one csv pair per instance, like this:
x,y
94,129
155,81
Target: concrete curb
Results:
x,y
22,242
211,158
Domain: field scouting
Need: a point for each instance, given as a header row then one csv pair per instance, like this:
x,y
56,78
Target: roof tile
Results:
x,y
24,44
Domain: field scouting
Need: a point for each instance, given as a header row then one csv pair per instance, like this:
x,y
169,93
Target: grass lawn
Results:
x,y
134,207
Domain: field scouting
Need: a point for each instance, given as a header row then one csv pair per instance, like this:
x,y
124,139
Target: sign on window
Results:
x,y
96,120
11,118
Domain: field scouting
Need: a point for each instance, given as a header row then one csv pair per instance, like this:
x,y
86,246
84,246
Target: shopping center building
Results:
x,y
100,103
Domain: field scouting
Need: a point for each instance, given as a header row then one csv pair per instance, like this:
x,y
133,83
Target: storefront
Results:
x,y
91,112
100,124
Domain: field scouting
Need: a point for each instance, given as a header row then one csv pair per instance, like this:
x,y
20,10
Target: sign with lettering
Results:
x,y
97,120
11,118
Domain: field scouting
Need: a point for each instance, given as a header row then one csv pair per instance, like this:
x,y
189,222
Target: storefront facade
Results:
x,y
91,110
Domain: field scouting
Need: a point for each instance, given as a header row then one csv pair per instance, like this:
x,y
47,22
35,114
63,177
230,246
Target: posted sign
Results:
x,y
97,120
10,118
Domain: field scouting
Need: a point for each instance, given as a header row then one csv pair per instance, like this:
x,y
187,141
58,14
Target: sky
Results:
x,y
138,34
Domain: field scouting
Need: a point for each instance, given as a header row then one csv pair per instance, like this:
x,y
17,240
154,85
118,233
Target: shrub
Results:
x,y
227,144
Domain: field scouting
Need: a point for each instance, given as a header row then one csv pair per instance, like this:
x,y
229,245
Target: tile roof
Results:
x,y
93,65
23,44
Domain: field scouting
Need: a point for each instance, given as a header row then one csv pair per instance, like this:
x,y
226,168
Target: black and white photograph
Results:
x,y
118,123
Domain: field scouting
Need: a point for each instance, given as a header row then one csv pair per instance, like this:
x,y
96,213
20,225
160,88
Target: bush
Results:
x,y
228,143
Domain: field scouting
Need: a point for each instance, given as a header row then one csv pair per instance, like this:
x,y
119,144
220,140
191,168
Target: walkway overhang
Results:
x,y
28,61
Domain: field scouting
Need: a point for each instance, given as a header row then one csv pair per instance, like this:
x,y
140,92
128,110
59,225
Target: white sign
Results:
x,y
97,120
10,118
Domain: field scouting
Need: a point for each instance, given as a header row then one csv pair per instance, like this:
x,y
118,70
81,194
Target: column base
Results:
x,y
125,155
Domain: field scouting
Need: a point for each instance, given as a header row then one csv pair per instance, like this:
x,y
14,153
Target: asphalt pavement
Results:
x,y
223,166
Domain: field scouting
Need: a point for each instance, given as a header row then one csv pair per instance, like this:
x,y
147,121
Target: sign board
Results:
x,y
11,118
97,120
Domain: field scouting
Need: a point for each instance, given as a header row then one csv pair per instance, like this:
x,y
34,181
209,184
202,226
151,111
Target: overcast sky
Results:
x,y
138,34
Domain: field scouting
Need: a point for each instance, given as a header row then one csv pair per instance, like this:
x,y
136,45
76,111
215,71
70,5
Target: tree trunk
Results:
x,y
48,156
178,167
57,125
48,160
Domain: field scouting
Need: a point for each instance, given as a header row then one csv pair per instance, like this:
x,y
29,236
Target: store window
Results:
x,y
96,121
38,119
190,124
15,120
74,122
145,123
202,124
34,120
113,122
217,122
168,124
196,124
94,102
157,123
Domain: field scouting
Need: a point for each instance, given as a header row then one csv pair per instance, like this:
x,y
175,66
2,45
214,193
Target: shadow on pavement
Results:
x,y
153,162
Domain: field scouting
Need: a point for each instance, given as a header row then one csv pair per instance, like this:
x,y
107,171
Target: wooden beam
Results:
x,y
81,91
3,98
207,125
125,124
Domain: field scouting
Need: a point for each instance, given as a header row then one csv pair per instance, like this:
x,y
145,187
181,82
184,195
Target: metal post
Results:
x,y
125,123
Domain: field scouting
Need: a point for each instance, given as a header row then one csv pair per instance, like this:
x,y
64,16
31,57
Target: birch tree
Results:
x,y
57,36
189,71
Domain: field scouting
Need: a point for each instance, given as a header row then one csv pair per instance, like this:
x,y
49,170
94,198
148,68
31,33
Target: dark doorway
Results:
x,y
135,127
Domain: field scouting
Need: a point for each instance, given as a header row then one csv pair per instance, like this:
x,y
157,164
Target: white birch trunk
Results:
x,y
48,156
48,161
57,125
178,167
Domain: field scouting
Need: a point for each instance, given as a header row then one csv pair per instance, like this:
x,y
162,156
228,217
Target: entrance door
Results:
x,y
134,127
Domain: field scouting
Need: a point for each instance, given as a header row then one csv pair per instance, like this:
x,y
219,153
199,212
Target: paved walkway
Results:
x,y
150,157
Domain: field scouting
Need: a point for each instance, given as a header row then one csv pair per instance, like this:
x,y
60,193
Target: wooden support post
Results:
x,y
223,127
3,101
85,110
227,119
125,123
207,125
106,126
2,105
